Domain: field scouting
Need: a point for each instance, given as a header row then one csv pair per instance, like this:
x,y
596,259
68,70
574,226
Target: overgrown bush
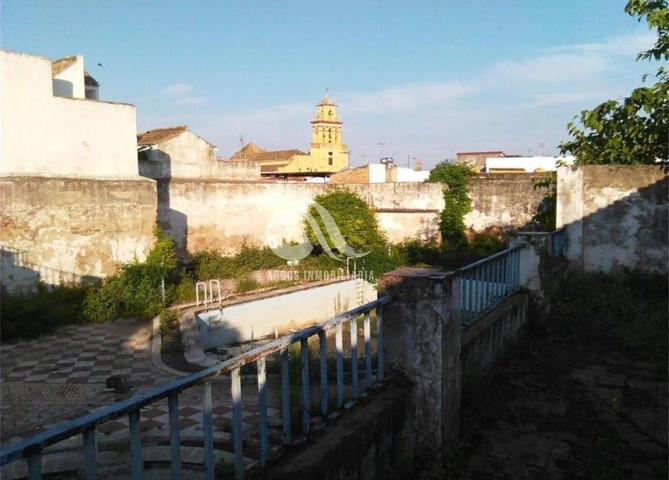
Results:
x,y
247,284
208,264
359,229
456,203
30,314
136,291
543,219
417,252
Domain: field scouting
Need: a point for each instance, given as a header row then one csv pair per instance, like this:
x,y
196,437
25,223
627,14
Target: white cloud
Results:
x,y
177,89
191,101
630,44
406,98
554,68
559,98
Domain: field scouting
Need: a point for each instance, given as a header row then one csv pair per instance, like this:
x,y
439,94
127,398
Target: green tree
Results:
x,y
456,202
357,224
634,130
353,217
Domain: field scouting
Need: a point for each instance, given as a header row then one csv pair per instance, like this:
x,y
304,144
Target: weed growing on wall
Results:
x,y
208,264
456,203
136,290
544,218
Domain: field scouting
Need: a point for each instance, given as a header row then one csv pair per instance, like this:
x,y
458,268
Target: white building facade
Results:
x,y
51,123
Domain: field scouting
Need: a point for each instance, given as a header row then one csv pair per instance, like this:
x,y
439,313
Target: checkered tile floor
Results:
x,y
82,354
55,377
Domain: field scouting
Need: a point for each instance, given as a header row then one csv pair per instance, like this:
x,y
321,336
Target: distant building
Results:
x,y
525,164
379,173
327,153
67,73
176,152
53,124
476,160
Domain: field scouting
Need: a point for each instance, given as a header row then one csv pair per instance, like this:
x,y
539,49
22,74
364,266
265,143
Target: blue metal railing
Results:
x,y
487,281
31,449
558,240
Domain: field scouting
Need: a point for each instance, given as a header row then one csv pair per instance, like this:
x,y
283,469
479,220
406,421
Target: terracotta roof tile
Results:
x,y
247,151
153,137
61,64
277,155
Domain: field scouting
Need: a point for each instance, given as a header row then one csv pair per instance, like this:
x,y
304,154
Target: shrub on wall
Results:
x,y
208,264
456,202
358,226
135,291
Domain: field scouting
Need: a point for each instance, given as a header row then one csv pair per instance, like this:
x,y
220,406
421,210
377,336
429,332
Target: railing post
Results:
x,y
368,351
323,350
354,356
236,392
306,402
380,355
175,437
285,395
35,466
90,453
262,407
339,344
208,431
136,465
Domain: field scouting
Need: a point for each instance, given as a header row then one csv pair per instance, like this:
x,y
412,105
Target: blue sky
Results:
x,y
428,79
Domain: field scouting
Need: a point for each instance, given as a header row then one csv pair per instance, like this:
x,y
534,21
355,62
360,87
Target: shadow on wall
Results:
x,y
616,218
157,165
17,272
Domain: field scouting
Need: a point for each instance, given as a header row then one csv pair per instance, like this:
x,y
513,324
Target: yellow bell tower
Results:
x,y
327,152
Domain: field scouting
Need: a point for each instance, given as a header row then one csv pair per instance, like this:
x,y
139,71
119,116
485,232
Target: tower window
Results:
x,y
330,161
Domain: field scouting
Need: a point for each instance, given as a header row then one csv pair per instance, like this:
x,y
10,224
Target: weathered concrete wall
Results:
x,y
57,229
616,216
46,135
189,156
485,340
207,214
374,441
425,342
422,341
504,201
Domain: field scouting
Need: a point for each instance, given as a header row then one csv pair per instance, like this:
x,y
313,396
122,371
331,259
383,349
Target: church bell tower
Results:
x,y
328,153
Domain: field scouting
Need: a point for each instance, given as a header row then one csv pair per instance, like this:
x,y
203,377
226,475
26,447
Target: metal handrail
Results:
x,y
486,282
488,259
31,448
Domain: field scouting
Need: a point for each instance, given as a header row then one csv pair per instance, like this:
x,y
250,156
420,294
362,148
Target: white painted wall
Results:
x,y
529,164
189,156
70,82
259,318
47,135
404,174
377,173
